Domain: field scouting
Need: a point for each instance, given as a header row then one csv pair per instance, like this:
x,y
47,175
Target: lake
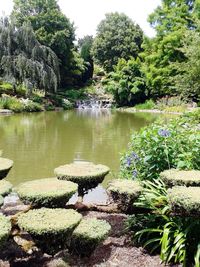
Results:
x,y
40,142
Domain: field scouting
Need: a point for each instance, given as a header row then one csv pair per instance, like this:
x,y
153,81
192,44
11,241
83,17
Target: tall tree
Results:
x,y
117,37
24,60
52,28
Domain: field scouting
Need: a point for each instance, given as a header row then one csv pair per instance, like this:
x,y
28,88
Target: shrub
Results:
x,y
31,106
88,235
184,200
177,177
124,192
50,228
49,192
5,166
5,188
170,102
148,104
162,146
5,228
12,103
66,104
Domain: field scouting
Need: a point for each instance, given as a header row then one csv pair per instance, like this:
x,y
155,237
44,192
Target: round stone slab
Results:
x,y
50,228
184,200
47,192
5,228
82,173
5,188
179,177
5,166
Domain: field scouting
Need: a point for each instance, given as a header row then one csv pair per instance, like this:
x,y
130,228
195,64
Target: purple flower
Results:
x,y
134,156
164,133
128,161
134,173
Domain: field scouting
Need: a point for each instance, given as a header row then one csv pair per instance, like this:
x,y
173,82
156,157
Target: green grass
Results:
x,y
148,104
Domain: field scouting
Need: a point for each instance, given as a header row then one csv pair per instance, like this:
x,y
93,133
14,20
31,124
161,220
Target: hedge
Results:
x,y
48,192
5,228
88,235
50,228
5,166
5,187
179,177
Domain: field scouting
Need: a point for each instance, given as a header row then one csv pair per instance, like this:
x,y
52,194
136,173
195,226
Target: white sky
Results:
x,y
86,14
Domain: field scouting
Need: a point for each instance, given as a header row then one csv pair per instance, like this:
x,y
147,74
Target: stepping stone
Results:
x,y
5,228
179,177
85,174
88,235
5,166
51,229
47,192
124,192
184,200
5,188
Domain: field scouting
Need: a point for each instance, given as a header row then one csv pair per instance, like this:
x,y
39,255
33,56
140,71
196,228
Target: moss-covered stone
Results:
x,y
87,236
5,228
50,228
1,201
174,177
124,192
184,200
48,192
85,174
5,166
5,187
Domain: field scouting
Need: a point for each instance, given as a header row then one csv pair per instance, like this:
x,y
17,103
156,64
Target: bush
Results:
x,y
50,228
12,103
88,235
171,102
31,106
148,104
177,177
5,228
66,104
184,200
5,166
49,192
5,188
162,146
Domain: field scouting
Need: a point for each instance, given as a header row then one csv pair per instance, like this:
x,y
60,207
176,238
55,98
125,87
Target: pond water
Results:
x,y
39,142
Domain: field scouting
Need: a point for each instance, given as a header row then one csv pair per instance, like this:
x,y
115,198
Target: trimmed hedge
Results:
x,y
124,192
50,228
48,192
88,235
5,187
85,174
184,200
5,228
179,177
5,166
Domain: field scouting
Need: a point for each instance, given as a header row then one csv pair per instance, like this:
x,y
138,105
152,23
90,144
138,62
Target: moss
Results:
x,y
48,192
5,228
124,192
178,177
5,187
85,174
50,228
185,200
87,236
5,166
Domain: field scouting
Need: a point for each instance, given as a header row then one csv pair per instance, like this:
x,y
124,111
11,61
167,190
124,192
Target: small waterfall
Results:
x,y
94,104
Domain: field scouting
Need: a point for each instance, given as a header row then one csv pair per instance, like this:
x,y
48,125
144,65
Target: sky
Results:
x,y
86,14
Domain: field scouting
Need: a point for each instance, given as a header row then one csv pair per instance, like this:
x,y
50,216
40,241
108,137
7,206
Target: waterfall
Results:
x,y
94,104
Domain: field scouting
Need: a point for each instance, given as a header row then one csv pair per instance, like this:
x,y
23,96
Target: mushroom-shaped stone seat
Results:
x,y
184,200
51,229
5,166
124,192
5,187
47,192
88,235
5,228
174,177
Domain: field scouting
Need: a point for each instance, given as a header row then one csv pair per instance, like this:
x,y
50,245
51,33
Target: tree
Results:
x,y
24,60
117,37
52,28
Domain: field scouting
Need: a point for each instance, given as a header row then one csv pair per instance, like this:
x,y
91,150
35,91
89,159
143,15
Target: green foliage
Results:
x,y
5,166
126,82
88,235
148,104
50,228
157,148
5,187
170,102
117,37
49,192
5,228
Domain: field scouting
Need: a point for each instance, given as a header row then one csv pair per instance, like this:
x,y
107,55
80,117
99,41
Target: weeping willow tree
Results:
x,y
23,60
